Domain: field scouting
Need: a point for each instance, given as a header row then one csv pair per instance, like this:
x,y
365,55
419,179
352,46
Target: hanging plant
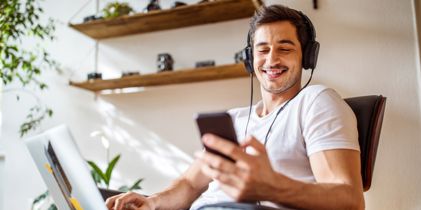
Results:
x,y
20,20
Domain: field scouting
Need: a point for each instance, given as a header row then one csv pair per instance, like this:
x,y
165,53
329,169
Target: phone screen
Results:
x,y
217,123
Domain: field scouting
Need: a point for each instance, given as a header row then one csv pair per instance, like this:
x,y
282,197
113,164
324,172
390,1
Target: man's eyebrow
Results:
x,y
286,41
282,41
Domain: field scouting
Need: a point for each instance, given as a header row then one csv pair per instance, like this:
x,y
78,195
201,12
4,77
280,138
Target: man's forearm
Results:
x,y
180,195
324,196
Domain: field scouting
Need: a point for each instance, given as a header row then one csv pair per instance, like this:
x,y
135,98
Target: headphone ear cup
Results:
x,y
248,59
310,55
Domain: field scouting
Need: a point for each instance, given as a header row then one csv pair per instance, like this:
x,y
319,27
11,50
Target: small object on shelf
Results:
x,y
116,9
239,56
205,1
165,62
178,4
181,76
153,5
205,63
129,73
92,18
191,15
94,75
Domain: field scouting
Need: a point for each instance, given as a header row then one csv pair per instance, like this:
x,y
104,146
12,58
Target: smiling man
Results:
x,y
301,147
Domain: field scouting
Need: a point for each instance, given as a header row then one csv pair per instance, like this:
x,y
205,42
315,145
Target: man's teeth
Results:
x,y
273,72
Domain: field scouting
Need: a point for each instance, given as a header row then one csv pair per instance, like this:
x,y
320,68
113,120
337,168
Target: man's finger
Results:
x,y
223,146
227,179
256,145
111,200
127,198
217,162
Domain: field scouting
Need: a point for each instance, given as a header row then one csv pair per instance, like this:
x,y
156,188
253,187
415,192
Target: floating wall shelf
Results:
x,y
190,15
166,78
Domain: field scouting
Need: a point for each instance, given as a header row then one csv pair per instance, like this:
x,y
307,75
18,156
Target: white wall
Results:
x,y
367,47
2,179
2,160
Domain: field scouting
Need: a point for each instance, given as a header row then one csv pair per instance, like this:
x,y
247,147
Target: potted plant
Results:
x,y
116,9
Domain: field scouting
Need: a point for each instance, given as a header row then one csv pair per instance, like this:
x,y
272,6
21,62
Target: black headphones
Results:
x,y
310,50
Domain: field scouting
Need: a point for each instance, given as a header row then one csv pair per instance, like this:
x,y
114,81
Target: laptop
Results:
x,y
64,171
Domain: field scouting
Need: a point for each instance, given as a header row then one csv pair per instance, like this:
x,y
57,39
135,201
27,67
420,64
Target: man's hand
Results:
x,y
129,201
250,178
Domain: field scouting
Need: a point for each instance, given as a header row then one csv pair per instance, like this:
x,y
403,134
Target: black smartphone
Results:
x,y
217,123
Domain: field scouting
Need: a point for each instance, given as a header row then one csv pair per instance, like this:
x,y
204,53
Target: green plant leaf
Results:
x,y
98,171
53,207
34,118
110,168
39,199
124,188
97,178
136,185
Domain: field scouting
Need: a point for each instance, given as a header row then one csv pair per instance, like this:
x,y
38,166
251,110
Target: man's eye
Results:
x,y
262,50
285,50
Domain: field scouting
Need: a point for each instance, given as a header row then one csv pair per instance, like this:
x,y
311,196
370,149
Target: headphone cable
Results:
x,y
279,111
282,108
251,103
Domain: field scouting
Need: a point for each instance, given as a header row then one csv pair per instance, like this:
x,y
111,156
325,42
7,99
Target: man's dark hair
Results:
x,y
276,13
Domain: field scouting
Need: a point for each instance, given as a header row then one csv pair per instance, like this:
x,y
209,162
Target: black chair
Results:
x,y
369,111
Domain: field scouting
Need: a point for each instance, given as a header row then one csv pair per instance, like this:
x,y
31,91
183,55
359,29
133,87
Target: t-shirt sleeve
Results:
x,y
329,124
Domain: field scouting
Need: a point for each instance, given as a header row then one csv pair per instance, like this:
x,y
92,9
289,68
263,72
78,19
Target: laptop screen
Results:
x,y
64,171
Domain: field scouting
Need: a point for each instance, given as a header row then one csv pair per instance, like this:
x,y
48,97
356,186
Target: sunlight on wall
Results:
x,y
141,144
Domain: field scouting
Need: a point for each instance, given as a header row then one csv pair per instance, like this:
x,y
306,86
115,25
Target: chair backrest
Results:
x,y
369,111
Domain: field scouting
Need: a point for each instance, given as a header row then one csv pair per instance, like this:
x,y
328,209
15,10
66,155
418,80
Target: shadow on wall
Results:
x,y
143,152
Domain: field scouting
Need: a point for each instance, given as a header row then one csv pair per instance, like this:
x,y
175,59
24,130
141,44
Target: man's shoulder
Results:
x,y
315,90
320,94
239,111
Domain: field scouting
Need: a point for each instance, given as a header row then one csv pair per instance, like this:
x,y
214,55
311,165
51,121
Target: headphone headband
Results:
x,y
309,25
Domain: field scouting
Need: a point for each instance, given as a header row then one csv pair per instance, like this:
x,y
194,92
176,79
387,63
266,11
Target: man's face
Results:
x,y
277,57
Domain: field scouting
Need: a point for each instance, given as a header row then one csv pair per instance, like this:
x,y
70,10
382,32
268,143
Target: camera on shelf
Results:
x,y
153,5
207,63
165,62
129,73
92,18
239,56
94,75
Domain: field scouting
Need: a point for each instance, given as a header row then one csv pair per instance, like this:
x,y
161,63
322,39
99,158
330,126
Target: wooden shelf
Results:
x,y
166,78
190,15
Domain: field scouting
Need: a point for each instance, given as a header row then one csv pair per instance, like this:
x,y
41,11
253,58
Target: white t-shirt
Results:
x,y
317,119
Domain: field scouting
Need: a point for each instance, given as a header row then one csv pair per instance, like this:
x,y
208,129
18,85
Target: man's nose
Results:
x,y
272,58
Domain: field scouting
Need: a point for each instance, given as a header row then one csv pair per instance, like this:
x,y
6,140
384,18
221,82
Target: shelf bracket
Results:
x,y
315,4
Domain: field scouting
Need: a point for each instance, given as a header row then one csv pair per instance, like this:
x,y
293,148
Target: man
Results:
x,y
301,150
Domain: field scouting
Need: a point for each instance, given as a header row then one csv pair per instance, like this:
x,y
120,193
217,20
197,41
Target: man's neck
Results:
x,y
273,100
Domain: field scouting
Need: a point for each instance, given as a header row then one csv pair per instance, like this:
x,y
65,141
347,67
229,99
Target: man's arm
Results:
x,y
180,195
252,178
338,183
184,191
